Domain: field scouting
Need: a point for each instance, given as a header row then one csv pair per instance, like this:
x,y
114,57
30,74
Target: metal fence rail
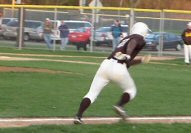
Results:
x,y
158,20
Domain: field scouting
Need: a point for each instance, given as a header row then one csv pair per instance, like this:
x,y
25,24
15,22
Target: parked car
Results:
x,y
103,35
31,29
75,24
72,25
170,41
3,23
80,37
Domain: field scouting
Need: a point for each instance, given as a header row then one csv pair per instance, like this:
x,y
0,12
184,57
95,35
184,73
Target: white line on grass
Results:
x,y
93,119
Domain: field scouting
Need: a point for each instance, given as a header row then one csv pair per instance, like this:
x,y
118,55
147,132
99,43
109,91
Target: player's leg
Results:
x,y
189,48
125,98
186,54
85,103
96,87
129,92
90,97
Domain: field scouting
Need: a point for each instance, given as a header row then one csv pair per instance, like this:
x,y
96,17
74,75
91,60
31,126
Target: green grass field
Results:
x,y
121,128
163,90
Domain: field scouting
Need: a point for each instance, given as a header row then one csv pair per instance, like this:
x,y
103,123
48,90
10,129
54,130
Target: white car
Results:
x,y
31,29
103,35
3,23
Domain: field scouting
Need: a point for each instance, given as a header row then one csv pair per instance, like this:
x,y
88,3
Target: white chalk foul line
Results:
x,y
93,119
162,118
23,122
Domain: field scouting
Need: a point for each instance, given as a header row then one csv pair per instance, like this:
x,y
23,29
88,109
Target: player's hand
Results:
x,y
121,56
146,59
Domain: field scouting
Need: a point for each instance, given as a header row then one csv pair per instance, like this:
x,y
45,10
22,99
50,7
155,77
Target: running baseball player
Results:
x,y
186,37
115,68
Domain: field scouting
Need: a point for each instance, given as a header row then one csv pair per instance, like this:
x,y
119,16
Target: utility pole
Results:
x,y
12,8
94,3
120,5
133,4
82,3
20,32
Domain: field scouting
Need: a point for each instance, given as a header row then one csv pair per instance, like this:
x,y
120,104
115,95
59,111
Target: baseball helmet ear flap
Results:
x,y
140,28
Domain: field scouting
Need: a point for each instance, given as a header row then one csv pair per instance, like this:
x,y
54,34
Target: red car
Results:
x,y
80,37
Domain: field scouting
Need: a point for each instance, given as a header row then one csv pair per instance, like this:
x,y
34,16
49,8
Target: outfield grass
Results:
x,y
115,128
163,90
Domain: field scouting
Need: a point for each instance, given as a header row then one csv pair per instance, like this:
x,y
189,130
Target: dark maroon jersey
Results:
x,y
186,36
130,45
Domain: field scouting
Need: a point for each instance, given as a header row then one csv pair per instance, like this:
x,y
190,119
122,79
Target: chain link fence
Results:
x,y
158,21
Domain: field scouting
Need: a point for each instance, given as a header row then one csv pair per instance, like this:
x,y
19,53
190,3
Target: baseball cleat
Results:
x,y
119,110
77,120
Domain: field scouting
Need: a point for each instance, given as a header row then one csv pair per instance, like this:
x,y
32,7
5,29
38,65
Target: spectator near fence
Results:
x,y
47,30
64,32
116,31
186,36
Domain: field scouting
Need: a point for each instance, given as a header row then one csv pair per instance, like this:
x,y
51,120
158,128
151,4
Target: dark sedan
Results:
x,y
170,41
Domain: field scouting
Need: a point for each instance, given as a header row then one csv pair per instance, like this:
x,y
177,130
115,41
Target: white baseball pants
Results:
x,y
111,70
187,53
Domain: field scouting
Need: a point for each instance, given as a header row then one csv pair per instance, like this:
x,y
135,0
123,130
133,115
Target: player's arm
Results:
x,y
183,36
145,59
128,56
132,52
134,62
131,48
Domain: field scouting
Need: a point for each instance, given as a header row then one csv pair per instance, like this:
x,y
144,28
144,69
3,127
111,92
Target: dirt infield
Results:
x,y
28,69
23,122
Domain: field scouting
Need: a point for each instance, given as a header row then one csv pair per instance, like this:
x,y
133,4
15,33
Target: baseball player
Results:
x,y
115,68
186,37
